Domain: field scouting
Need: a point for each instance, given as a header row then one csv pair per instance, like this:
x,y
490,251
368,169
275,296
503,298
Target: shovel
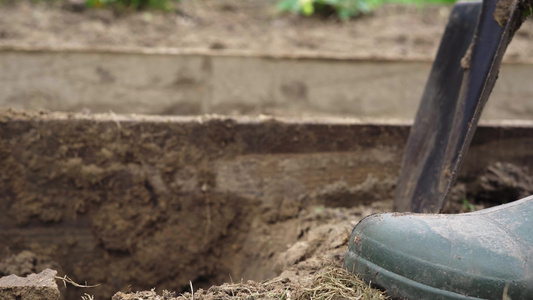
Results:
x,y
460,82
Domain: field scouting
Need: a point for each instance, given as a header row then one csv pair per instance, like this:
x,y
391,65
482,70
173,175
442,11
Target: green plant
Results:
x,y
467,206
344,9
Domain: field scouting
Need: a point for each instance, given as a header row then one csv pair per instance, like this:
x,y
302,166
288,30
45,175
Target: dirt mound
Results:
x,y
311,265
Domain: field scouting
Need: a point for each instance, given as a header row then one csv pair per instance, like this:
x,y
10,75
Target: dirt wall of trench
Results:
x,y
138,202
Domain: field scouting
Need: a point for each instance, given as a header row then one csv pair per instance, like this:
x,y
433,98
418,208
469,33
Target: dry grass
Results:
x,y
337,283
328,284
68,280
276,288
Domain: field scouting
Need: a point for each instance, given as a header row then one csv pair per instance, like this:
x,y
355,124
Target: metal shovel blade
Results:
x,y
460,82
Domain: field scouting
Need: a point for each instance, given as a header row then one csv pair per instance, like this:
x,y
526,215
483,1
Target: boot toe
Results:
x,y
448,257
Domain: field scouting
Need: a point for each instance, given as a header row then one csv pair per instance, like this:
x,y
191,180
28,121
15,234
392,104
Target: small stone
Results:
x,y
40,286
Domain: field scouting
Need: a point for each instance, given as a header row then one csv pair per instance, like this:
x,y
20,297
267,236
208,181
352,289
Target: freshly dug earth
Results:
x,y
143,204
309,267
237,26
135,203
312,267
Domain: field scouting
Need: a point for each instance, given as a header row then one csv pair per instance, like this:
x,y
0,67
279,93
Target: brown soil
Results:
x,y
229,26
502,181
305,267
132,205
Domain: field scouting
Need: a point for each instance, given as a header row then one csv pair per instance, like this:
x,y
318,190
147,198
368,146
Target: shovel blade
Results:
x,y
462,77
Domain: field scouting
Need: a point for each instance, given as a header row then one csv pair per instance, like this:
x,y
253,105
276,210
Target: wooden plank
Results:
x,y
198,83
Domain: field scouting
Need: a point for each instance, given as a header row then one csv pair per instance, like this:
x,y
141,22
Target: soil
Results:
x,y
503,181
160,217
318,249
139,204
132,205
237,26
34,286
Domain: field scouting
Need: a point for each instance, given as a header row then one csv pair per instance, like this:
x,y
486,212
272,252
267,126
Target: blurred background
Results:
x,y
356,58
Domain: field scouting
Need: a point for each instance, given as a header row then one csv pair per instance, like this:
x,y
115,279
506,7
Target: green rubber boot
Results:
x,y
486,254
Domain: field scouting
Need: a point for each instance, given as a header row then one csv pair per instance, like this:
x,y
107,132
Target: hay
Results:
x,y
337,283
328,284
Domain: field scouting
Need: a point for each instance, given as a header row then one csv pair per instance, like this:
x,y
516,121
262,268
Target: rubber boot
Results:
x,y
486,254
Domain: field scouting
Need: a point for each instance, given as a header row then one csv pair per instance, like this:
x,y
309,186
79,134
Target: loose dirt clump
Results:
x,y
502,13
33,287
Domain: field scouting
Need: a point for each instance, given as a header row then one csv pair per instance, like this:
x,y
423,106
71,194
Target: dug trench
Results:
x,y
137,202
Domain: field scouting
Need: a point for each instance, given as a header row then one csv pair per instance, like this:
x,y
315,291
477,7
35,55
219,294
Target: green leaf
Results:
x,y
307,7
